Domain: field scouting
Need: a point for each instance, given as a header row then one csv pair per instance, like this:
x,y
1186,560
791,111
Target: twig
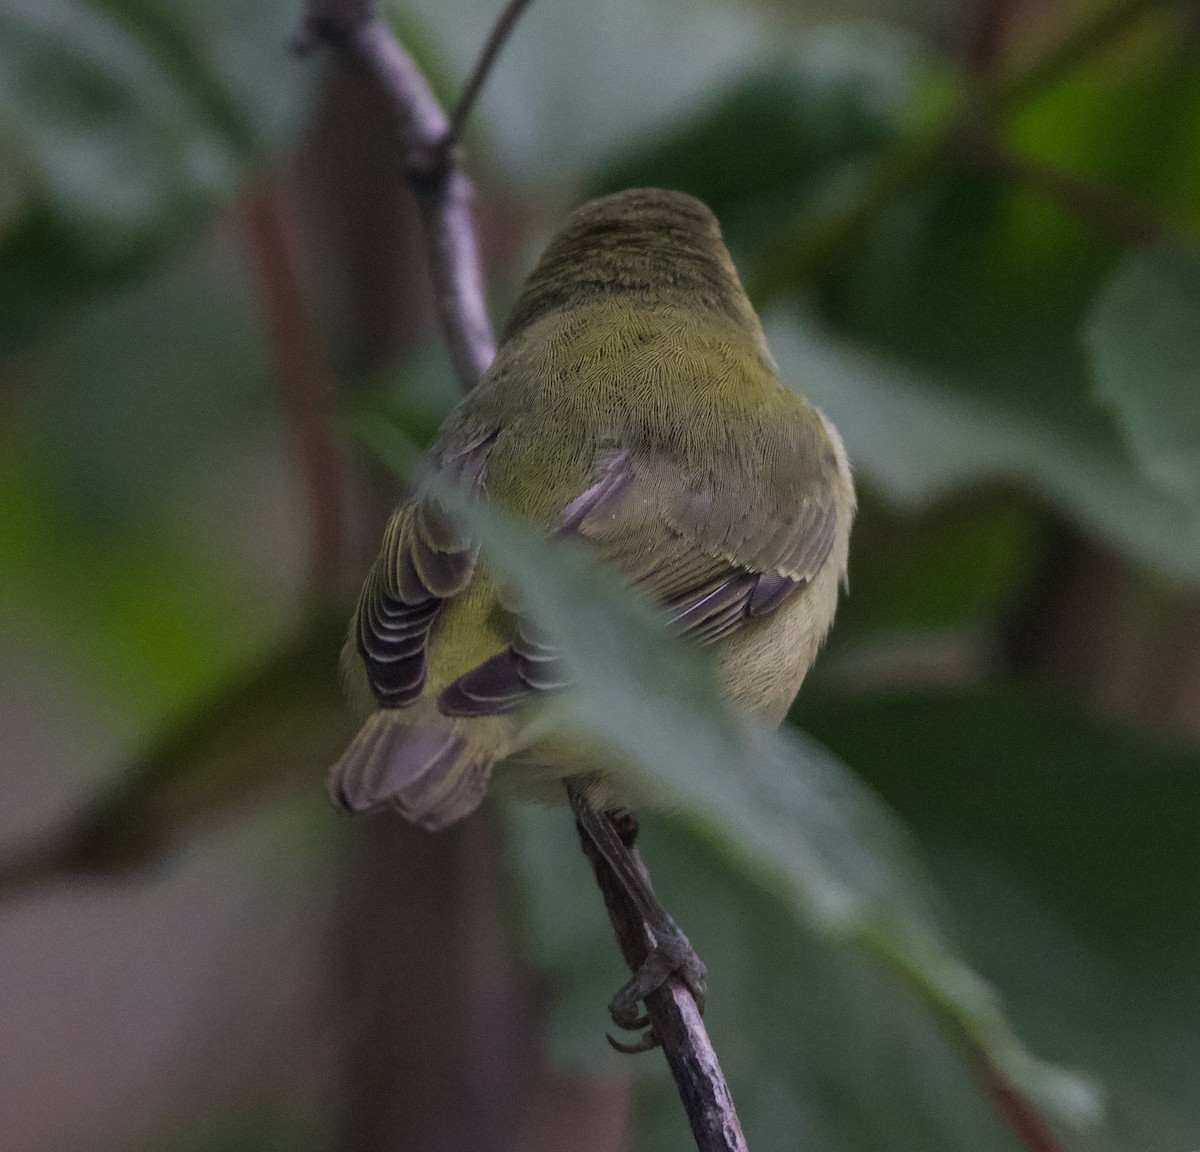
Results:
x,y
815,238
1127,221
674,1017
483,66
354,30
23,870
1028,1126
1079,46
985,40
269,728
304,386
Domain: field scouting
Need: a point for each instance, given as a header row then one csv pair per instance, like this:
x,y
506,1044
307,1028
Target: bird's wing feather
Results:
x,y
425,559
704,548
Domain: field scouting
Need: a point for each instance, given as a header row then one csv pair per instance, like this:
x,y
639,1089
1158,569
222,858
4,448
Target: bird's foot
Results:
x,y
671,955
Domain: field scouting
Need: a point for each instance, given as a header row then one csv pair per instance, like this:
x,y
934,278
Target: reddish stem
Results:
x,y
985,42
1018,1112
303,382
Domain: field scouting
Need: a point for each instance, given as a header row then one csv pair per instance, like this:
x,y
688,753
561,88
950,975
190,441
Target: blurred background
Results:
x,y
971,228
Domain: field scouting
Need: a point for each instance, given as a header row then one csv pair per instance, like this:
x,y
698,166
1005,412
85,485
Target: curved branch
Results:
x,y
271,728
674,1018
444,194
1121,217
354,31
25,869
810,243
1080,45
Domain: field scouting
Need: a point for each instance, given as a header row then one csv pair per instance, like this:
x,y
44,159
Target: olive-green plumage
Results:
x,y
633,404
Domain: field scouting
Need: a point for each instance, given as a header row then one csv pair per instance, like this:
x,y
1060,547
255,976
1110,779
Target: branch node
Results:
x,y
428,164
354,31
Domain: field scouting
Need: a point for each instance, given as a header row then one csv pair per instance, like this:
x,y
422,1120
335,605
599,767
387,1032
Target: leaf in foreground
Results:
x,y
781,811
1065,844
1144,343
917,439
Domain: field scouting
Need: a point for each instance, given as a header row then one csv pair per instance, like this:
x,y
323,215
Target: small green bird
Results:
x,y
633,405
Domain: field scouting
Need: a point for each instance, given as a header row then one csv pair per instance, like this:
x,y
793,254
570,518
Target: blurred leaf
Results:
x,y
1144,340
983,286
917,439
1066,845
779,809
106,418
980,290
579,80
758,148
278,724
273,727
125,120
942,334
820,1051
961,564
149,528
1129,117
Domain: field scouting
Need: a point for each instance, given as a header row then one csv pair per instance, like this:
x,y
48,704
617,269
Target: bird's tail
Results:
x,y
424,766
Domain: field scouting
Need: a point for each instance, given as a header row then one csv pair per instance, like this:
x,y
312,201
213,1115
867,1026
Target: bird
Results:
x,y
634,407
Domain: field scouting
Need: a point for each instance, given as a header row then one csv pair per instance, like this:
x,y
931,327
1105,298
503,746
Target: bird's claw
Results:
x,y
684,962
671,955
647,1042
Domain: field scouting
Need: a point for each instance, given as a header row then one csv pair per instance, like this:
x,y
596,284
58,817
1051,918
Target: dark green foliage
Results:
x,y
1004,324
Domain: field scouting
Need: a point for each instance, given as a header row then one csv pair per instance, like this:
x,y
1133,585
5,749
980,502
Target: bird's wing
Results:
x,y
711,549
424,559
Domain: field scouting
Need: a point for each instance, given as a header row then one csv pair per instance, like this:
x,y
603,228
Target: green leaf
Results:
x,y
758,147
941,330
124,121
918,439
1144,341
781,812
819,1049
978,289
1066,847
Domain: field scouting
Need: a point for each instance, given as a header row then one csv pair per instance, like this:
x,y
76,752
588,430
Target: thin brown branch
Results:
x,y
354,31
1128,222
985,39
444,194
25,869
1017,1111
817,236
1089,38
303,384
674,1017
501,30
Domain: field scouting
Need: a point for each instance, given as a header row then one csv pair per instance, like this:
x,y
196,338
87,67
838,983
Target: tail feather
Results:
x,y
422,767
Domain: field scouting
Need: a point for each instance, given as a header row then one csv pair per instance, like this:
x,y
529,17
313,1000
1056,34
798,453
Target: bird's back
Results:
x,y
633,404
703,396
